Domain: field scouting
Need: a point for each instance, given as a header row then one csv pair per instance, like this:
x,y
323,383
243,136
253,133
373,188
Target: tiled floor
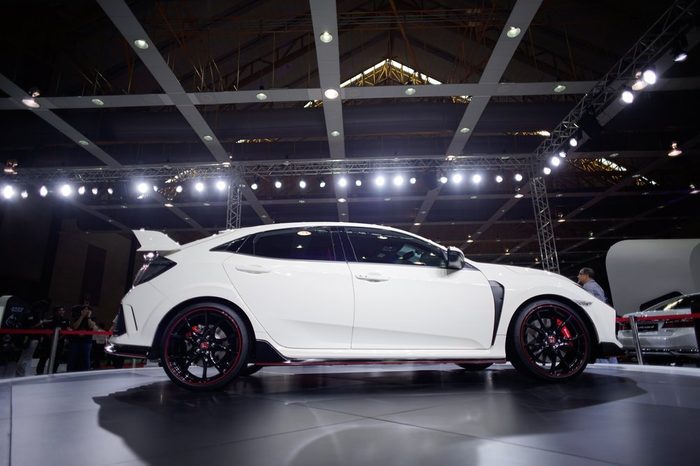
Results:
x,y
366,415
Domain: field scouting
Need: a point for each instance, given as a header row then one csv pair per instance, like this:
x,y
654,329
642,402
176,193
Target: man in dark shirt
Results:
x,y
81,345
58,319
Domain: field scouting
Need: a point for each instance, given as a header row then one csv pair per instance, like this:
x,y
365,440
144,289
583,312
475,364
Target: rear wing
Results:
x,y
155,241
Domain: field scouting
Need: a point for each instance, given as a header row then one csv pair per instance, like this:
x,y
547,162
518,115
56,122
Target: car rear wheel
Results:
x,y
475,367
205,346
550,342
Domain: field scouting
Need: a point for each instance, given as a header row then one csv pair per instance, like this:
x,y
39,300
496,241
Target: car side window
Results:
x,y
390,247
297,243
231,246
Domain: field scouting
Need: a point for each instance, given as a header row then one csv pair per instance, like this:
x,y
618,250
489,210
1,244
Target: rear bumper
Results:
x,y
607,349
128,351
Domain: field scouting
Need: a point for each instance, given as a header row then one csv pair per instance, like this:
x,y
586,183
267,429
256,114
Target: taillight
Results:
x,y
152,269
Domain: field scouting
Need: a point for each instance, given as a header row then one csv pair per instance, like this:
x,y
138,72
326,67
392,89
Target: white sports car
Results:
x,y
347,293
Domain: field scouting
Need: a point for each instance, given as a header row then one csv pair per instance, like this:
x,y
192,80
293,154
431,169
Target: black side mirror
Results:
x,y
455,258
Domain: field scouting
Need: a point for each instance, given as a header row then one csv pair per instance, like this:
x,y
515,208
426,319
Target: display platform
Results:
x,y
364,415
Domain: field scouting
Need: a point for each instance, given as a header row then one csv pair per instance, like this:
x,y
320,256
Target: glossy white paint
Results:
x,y
414,307
304,304
339,310
155,241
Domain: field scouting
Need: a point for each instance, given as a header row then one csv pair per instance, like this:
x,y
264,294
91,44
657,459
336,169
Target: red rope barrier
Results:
x,y
624,320
19,331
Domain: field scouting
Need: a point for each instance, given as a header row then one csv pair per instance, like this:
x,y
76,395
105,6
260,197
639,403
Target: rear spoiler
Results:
x,y
155,241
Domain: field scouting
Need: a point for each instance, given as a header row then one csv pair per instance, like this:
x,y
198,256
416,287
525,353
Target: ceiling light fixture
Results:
x,y
562,154
398,180
141,44
457,178
499,179
335,133
278,184
464,130
81,190
331,94
221,185
342,200
358,183
410,91
412,180
322,184
326,37
66,190
142,188
649,76
627,95
43,191
110,191
178,189
519,195
207,138
199,187
95,191
555,161
8,192
24,194
83,142
675,150
573,142
559,88
30,102
513,32
380,180
476,178
518,177
302,184
254,186
342,182
547,170
98,102
261,96
443,179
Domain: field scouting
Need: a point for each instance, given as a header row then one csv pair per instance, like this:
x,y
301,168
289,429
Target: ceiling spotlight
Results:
x,y
331,94
155,188
627,96
476,179
24,194
380,180
675,150
412,180
302,184
562,154
544,133
398,180
278,184
518,177
342,199
66,190
30,102
519,195
326,37
464,130
254,186
220,185
261,96
410,91
457,178
649,76
168,205
207,138
142,188
573,142
8,192
680,55
335,133
110,191
679,51
513,32
178,189
342,182
81,190
443,179
559,88
43,191
140,43
358,183
199,187
83,142
499,179
547,170
98,102
322,184
555,161
95,191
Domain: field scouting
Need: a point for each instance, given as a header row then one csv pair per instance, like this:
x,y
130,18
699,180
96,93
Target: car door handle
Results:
x,y
372,277
252,268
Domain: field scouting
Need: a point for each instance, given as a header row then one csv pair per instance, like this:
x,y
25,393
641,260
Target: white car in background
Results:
x,y
664,340
346,293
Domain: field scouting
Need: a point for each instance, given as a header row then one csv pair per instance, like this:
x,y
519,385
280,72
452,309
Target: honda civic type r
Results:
x,y
347,293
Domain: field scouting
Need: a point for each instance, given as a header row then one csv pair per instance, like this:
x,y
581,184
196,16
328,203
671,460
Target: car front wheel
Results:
x,y
550,342
205,346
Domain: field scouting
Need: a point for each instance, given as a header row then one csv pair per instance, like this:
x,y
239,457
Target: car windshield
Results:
x,y
678,302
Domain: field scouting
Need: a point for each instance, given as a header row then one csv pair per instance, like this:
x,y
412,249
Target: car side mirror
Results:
x,y
455,258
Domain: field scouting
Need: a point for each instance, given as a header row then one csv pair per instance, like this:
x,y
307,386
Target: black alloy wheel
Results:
x,y
475,367
550,342
205,347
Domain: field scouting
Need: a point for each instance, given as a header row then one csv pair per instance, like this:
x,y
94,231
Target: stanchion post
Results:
x,y
635,336
54,348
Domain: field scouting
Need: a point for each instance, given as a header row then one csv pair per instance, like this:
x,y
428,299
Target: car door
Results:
x,y
296,286
406,298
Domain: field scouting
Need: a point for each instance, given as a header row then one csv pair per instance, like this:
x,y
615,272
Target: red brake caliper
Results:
x,y
564,330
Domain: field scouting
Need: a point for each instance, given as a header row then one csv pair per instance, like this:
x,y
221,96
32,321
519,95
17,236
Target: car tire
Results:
x,y
205,346
475,367
549,341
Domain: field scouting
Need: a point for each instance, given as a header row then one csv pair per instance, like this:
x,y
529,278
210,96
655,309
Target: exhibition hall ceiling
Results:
x,y
244,81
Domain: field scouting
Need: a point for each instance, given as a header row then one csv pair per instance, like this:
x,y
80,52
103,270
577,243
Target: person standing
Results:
x,y
81,345
59,320
586,280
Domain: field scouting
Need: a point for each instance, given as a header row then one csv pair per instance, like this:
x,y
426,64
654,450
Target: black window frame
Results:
x,y
428,246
